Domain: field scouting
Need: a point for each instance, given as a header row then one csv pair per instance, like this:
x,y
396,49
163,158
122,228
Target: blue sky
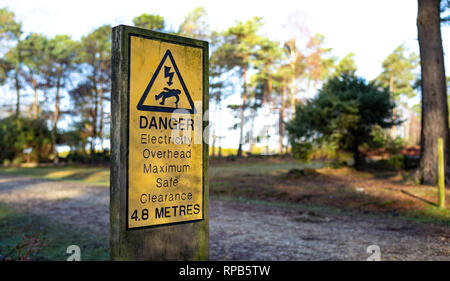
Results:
x,y
370,29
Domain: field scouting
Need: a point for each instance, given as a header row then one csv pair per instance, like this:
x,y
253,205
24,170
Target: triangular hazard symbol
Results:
x,y
166,91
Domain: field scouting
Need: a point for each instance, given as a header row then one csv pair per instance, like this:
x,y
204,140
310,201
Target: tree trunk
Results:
x,y
16,78
17,85
100,132
269,112
434,96
213,147
281,121
406,126
55,120
101,105
94,123
244,105
213,136
219,137
394,111
293,55
35,102
252,128
357,157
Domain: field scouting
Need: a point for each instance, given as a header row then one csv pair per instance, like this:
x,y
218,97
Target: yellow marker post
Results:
x,y
159,194
441,173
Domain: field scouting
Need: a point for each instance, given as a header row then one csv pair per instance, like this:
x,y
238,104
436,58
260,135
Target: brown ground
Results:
x,y
249,231
342,188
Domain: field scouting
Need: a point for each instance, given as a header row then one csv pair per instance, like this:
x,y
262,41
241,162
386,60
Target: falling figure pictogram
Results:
x,y
176,89
167,93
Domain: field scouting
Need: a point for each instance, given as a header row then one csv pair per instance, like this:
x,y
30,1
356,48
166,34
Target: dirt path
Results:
x,y
247,231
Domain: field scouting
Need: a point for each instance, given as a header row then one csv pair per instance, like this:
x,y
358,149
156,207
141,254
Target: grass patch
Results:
x,y
22,231
433,215
84,174
100,175
259,168
282,204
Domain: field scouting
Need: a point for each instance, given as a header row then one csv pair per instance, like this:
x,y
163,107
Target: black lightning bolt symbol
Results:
x,y
168,74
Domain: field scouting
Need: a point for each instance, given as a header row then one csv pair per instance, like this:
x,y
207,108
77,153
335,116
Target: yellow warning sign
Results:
x,y
165,156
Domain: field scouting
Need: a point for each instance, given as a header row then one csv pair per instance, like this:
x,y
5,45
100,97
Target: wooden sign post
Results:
x,y
159,191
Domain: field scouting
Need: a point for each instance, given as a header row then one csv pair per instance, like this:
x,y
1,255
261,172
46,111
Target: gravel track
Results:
x,y
246,231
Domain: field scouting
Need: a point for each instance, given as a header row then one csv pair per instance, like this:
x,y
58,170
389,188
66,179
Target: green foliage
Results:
x,y
34,65
23,139
343,114
318,62
395,145
241,44
240,51
10,34
297,60
195,25
96,47
382,139
346,65
33,50
58,61
5,67
303,151
398,73
10,29
153,22
77,137
397,162
90,93
270,74
62,51
77,156
394,163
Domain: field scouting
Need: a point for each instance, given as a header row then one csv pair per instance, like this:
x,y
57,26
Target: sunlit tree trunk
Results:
x,y
94,123
100,130
244,105
17,97
101,107
434,96
251,137
293,55
34,85
17,86
55,119
35,102
16,78
220,147
407,126
281,121
357,157
213,146
269,112
394,110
